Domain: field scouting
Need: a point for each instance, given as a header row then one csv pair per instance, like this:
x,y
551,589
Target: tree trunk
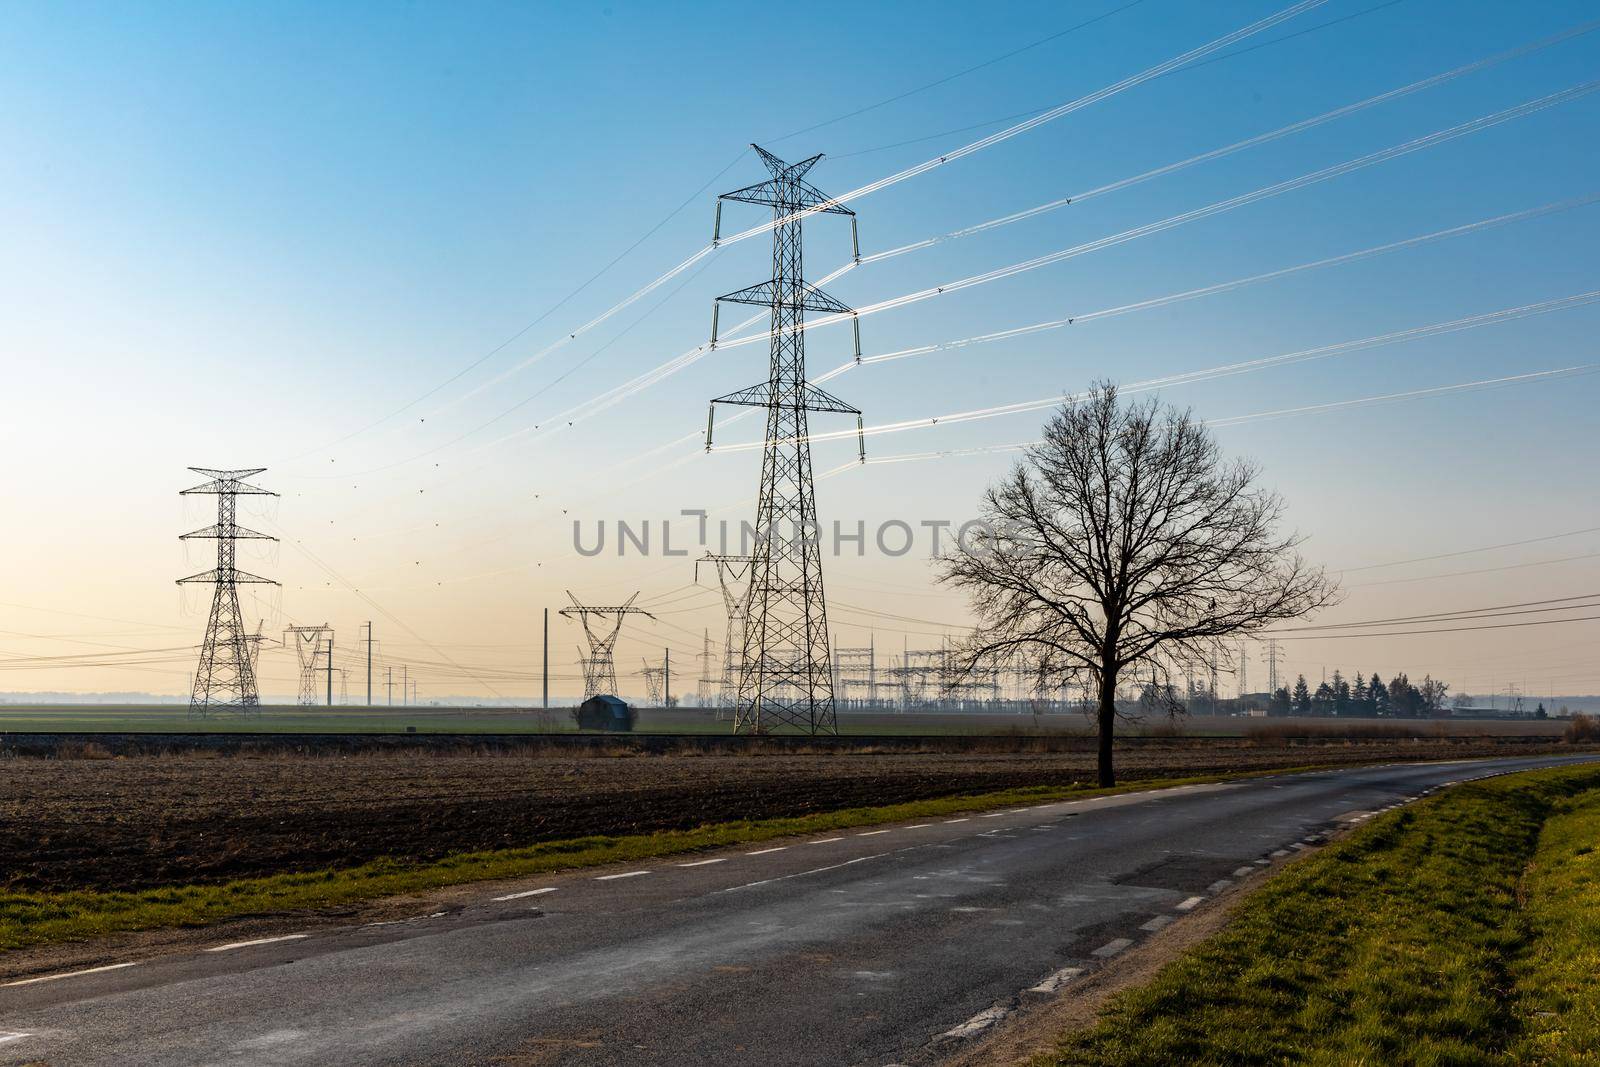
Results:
x,y
1107,722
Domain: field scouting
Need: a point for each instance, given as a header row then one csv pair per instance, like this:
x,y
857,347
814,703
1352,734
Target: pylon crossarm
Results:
x,y
765,294
819,399
223,485
214,532
757,396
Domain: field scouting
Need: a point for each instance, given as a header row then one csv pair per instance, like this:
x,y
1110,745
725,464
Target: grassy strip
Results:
x,y
1558,997
40,918
1395,945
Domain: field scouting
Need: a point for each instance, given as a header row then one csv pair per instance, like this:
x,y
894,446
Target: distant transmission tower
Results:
x,y
705,683
226,676
653,677
733,575
1272,665
785,674
308,641
599,673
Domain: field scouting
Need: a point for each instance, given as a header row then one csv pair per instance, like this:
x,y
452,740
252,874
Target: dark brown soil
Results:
x,y
141,821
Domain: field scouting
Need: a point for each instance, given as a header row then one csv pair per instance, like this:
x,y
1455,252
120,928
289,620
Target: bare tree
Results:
x,y
1122,543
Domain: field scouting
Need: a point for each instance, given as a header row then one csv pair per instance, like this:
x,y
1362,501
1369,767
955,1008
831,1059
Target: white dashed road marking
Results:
x,y
764,851
519,896
1111,948
1219,885
705,863
1191,903
981,1021
872,833
1156,923
1242,871
70,974
12,1035
825,841
624,874
257,941
1055,981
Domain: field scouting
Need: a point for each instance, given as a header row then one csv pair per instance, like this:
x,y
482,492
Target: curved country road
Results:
x,y
882,945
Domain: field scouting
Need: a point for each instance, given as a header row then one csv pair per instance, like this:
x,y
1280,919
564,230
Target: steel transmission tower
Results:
x,y
732,574
653,677
226,676
599,673
308,649
785,673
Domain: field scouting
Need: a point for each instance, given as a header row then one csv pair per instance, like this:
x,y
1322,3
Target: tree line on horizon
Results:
x,y
1370,698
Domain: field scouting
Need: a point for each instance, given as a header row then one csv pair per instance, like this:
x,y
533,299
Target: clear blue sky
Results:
x,y
237,233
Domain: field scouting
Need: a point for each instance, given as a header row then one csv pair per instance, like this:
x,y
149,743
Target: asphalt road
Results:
x,y
886,945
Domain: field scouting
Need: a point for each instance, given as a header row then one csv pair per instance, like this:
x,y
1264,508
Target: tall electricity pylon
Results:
x,y
599,673
653,677
733,575
226,676
785,675
705,683
308,642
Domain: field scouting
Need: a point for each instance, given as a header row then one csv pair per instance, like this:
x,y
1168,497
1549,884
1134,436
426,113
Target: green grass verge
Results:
x,y
1434,935
1558,978
40,918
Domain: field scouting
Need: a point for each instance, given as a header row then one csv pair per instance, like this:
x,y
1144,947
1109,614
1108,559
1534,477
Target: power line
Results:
x,y
906,174
1192,66
1471,551
962,73
1219,207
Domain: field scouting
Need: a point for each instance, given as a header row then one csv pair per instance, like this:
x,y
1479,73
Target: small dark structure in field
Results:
x,y
605,713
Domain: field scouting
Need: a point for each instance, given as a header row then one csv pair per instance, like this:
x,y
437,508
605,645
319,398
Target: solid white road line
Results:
x,y
1055,981
703,863
1111,948
764,851
1191,903
70,974
624,874
525,893
257,941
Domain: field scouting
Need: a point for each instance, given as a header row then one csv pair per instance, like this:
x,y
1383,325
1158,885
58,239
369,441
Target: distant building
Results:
x,y
605,713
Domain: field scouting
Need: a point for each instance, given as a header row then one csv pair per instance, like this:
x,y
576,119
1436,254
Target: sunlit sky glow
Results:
x,y
277,235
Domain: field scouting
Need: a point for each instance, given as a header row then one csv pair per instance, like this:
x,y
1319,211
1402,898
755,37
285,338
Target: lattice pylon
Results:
x,y
599,671
785,671
226,675
308,646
